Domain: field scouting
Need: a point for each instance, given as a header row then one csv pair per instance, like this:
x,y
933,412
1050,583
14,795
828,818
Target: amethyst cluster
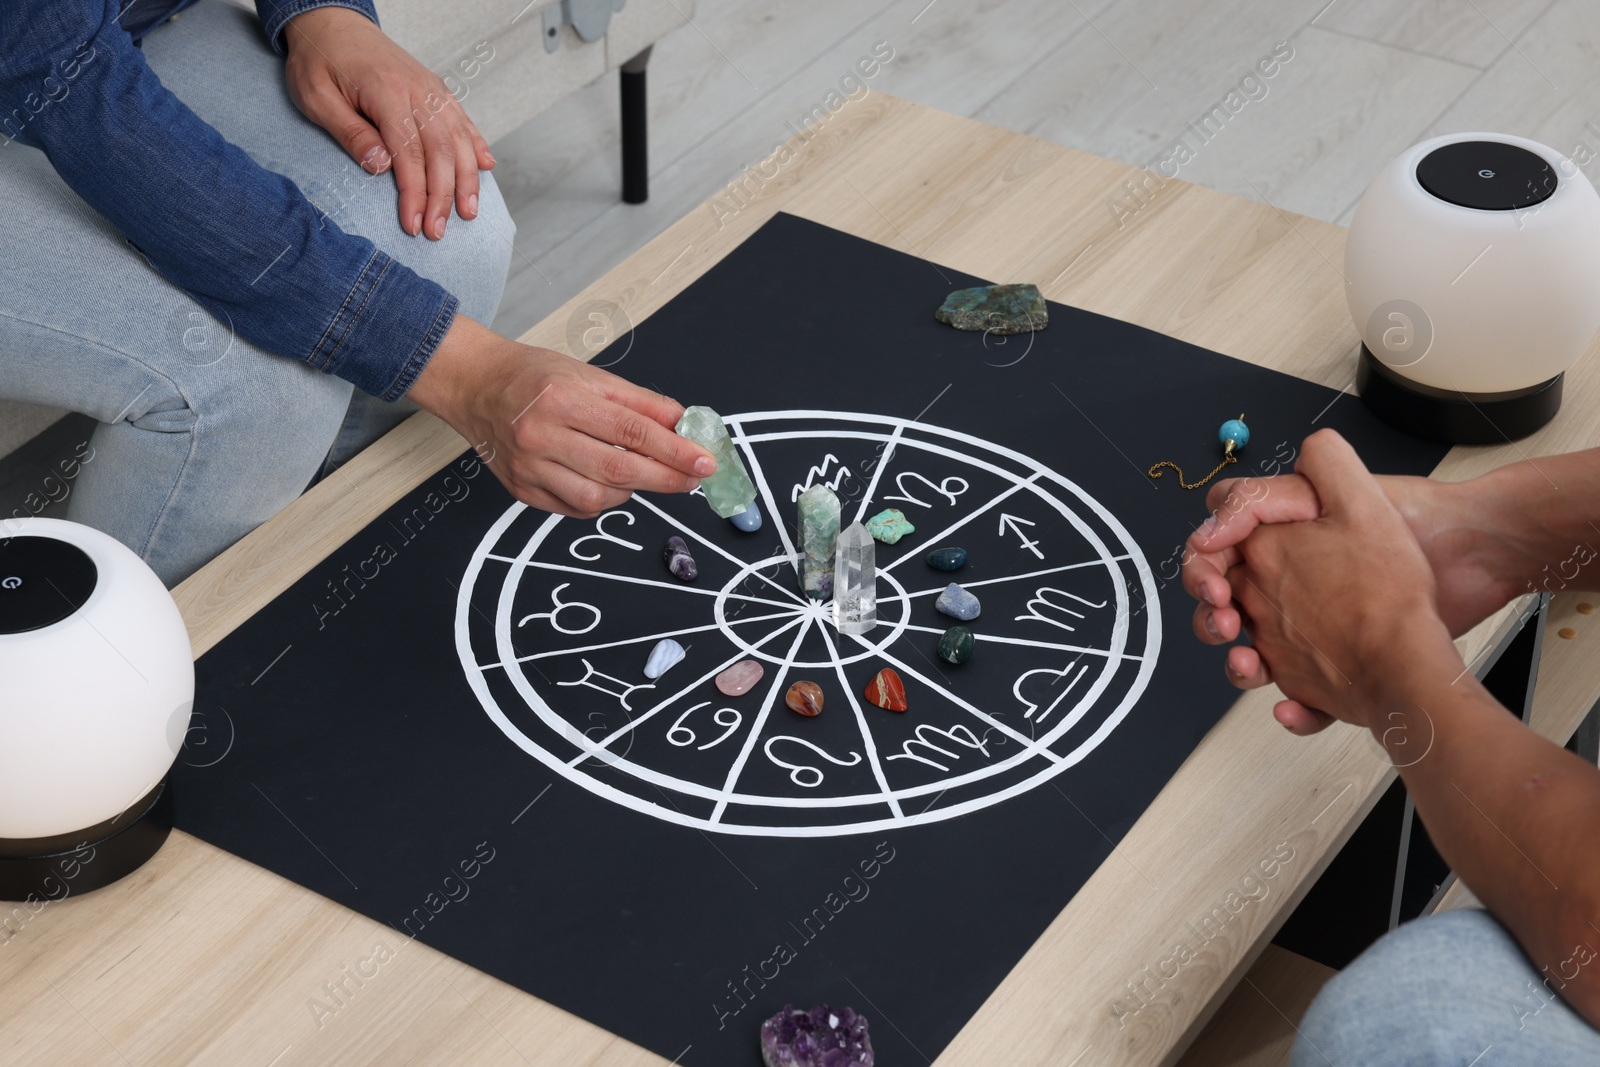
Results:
x,y
821,1037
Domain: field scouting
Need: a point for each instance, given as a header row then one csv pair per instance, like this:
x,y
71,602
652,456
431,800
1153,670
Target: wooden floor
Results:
x,y
1122,78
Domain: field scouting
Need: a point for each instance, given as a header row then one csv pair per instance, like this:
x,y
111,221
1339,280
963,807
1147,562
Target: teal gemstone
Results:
x,y
955,646
889,526
1235,431
947,559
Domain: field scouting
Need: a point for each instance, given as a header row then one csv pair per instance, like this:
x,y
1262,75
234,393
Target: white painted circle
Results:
x,y
883,635
833,814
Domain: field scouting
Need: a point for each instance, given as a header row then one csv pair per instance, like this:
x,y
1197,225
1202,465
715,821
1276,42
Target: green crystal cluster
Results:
x,y
1000,309
729,491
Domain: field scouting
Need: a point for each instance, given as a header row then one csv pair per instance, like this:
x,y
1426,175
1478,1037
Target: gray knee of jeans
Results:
x,y
1413,994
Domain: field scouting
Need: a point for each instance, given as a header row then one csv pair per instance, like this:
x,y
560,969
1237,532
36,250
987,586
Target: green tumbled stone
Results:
x,y
955,646
730,490
1002,309
889,526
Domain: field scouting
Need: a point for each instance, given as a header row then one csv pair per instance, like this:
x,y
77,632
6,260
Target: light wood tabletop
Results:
x,y
201,957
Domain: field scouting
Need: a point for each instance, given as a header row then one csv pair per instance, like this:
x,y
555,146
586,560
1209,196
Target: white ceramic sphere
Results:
x,y
93,708
1511,298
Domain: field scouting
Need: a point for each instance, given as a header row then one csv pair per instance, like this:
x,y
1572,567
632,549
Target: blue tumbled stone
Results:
x,y
947,559
748,520
958,603
666,655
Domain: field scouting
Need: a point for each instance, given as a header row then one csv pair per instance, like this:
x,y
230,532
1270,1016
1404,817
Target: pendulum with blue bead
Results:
x,y
1233,435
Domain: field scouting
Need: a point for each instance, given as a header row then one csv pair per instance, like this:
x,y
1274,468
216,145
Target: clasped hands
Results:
x,y
1350,586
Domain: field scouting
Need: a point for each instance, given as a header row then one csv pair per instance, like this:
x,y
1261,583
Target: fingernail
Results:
x,y
1208,527
705,466
1211,626
694,483
472,204
416,224
490,157
438,227
1205,594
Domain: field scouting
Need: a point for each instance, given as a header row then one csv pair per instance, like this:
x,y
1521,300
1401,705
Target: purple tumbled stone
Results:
x,y
679,562
821,1037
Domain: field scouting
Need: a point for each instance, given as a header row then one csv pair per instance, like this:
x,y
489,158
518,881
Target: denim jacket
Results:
x,y
241,239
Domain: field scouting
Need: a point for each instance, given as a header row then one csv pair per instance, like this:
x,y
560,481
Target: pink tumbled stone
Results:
x,y
739,678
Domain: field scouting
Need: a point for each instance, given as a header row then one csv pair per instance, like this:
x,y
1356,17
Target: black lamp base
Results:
x,y
52,868
1456,417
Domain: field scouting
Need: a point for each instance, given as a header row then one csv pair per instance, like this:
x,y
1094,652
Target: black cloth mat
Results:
x,y
339,742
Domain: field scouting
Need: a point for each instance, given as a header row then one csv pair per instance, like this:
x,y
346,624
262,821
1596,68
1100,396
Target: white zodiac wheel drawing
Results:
x,y
555,617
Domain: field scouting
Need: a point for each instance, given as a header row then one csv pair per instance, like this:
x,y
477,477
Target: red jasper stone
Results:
x,y
804,698
887,690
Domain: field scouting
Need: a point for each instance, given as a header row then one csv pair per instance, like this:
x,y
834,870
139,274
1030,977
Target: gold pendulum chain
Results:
x,y
1234,434
1155,471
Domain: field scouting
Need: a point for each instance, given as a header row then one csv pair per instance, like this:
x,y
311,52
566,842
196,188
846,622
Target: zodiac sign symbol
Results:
x,y
1041,599
943,488
1016,689
798,770
590,672
601,535
821,471
678,730
959,734
1016,523
560,606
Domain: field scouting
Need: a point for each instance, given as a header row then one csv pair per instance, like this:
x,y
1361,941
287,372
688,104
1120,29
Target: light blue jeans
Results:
x,y
203,436
1451,990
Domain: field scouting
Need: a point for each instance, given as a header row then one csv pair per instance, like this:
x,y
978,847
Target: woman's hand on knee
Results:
x,y
561,435
387,110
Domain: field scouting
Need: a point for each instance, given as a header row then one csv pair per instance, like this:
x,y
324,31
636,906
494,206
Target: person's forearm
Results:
x,y
1515,816
1549,510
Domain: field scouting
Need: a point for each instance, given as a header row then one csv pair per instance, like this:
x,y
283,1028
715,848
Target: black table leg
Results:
x,y
635,131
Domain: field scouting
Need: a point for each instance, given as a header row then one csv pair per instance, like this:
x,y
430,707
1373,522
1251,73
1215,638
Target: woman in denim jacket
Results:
x,y
230,242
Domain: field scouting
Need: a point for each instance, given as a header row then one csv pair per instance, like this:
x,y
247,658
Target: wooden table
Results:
x,y
202,957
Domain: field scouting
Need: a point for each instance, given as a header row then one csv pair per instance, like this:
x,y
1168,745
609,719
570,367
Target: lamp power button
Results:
x,y
12,582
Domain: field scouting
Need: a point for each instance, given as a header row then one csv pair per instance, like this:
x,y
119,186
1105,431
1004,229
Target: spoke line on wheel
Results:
x,y
861,720
1011,577
1027,742
766,493
642,581
877,473
953,527
741,564
761,720
1034,644
712,673
648,637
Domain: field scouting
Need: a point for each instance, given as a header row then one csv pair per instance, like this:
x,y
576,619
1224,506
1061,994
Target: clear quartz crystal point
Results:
x,y
855,582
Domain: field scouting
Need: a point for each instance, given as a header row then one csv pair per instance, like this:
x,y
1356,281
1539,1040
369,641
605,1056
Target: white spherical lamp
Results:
x,y
96,687
1473,274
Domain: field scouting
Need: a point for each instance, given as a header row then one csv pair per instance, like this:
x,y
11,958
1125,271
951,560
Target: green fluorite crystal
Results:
x,y
889,526
819,533
1002,309
729,491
